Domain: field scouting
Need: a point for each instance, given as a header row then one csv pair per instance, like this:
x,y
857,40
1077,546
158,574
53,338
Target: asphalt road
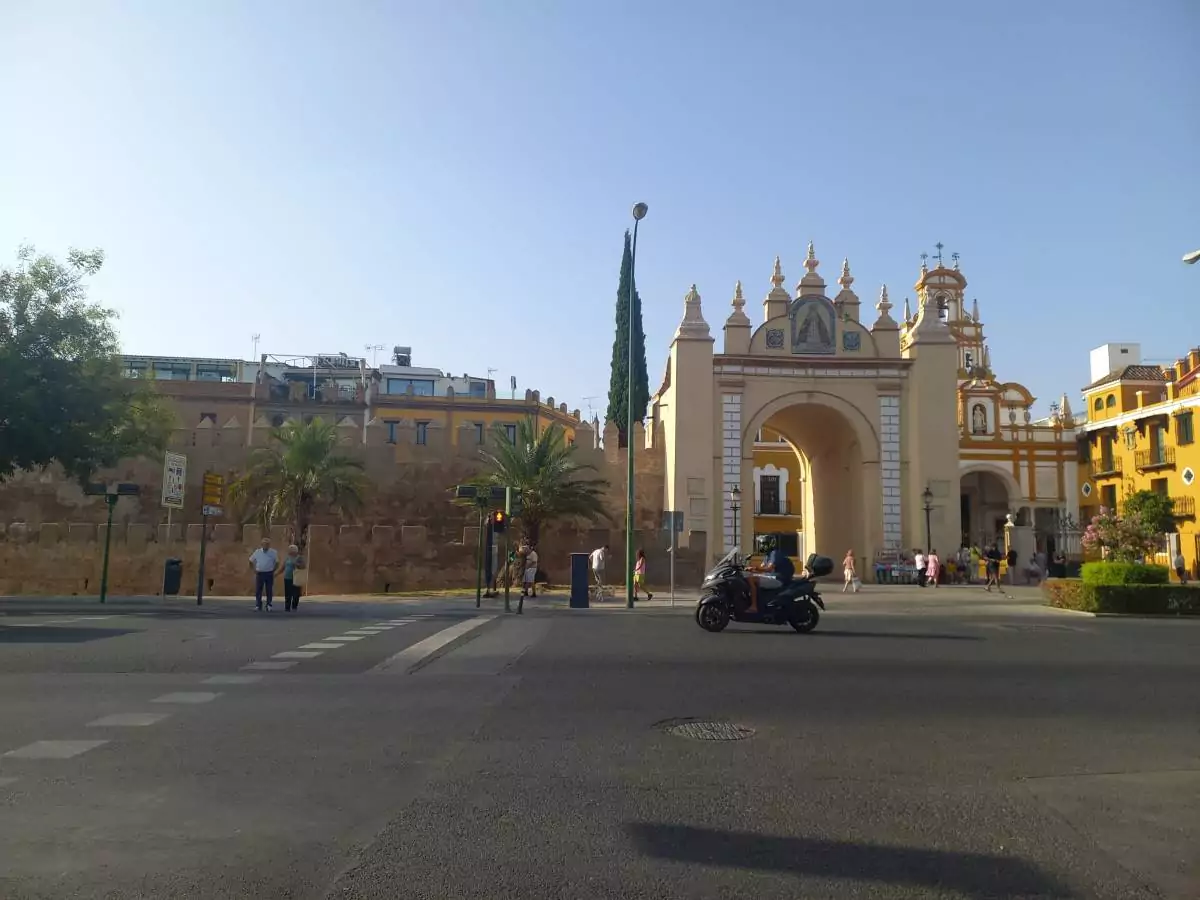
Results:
x,y
919,744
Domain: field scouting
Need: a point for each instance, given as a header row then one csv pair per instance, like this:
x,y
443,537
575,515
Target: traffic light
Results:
x,y
499,521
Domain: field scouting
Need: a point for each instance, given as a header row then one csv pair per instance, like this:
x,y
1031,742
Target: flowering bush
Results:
x,y
1126,538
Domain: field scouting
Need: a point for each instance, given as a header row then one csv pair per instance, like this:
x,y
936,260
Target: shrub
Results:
x,y
1121,538
1108,572
1129,599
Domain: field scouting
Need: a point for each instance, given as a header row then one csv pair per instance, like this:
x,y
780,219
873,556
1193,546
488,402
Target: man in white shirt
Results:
x,y
528,586
265,561
919,562
599,557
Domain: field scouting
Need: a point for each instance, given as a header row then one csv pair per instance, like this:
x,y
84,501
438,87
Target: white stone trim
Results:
x,y
808,371
889,469
731,461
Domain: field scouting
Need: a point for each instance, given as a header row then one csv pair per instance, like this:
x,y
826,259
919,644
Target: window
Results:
x,y
510,432
1108,496
1183,429
768,495
421,387
478,388
1098,406
392,425
422,432
479,432
1106,453
1130,437
1110,401
1159,486
1085,449
1157,444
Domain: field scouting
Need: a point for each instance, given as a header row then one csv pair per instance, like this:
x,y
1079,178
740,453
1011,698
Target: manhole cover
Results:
x,y
709,731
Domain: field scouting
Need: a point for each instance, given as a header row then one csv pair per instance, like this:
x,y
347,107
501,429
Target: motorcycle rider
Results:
x,y
773,573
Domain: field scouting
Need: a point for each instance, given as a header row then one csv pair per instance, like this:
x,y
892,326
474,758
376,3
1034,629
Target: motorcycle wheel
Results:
x,y
712,617
805,617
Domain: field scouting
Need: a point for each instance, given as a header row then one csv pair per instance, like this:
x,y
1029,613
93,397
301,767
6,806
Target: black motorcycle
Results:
x,y
725,596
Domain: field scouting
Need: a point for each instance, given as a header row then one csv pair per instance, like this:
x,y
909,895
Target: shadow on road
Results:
x,y
906,635
57,634
972,874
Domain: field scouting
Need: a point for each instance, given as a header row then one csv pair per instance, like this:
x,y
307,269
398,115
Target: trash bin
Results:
x,y
580,573
172,576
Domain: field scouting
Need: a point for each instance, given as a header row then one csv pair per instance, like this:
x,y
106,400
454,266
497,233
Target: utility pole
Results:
x,y
507,546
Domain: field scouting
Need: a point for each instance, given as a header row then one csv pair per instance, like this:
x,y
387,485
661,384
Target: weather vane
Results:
x,y
954,256
924,257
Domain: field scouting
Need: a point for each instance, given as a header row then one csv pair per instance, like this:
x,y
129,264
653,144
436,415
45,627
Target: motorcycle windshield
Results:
x,y
732,558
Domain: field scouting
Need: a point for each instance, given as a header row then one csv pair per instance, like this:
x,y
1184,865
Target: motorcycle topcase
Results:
x,y
818,565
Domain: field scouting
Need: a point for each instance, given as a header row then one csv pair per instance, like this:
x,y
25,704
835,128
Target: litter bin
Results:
x,y
172,576
580,573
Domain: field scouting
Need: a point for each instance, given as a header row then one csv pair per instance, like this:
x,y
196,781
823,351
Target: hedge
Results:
x,y
1130,599
1124,573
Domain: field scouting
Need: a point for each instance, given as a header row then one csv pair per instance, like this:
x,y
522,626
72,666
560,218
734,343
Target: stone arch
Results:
x,y
980,514
863,427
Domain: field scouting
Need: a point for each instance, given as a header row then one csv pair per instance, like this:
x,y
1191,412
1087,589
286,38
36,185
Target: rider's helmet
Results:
x,y
765,543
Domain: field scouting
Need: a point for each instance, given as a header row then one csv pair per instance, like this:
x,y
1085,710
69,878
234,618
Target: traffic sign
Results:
x,y
174,479
212,510
214,489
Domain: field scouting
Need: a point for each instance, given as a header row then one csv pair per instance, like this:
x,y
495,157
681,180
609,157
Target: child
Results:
x,y
639,576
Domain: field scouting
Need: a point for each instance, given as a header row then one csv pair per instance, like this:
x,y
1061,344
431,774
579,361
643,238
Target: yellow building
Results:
x,y
779,488
1140,435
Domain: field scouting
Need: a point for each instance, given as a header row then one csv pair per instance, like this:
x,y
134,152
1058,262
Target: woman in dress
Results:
x,y
933,568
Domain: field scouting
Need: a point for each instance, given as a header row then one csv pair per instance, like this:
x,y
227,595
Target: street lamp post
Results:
x,y
639,213
927,496
735,494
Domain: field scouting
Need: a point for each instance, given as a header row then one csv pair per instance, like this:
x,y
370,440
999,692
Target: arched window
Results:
x,y
1110,401
1098,406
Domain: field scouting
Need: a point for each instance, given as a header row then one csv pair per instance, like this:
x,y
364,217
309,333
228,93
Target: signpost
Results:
x,y
111,493
173,485
213,504
482,498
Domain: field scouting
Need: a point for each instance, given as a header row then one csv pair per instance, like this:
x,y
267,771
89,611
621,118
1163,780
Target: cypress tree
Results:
x,y
619,380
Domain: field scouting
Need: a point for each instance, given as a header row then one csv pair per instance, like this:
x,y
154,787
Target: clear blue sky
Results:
x,y
457,176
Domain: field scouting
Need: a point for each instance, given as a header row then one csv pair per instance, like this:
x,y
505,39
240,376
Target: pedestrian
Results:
x,y
599,558
291,591
993,567
639,575
850,573
1180,566
919,564
1011,559
528,582
933,568
265,561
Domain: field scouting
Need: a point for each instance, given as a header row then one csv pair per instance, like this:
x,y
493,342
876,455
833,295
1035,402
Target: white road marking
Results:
x,y
360,632
95,618
296,654
402,622
186,697
130,720
320,646
342,637
378,630
54,749
6,781
232,679
270,666
404,661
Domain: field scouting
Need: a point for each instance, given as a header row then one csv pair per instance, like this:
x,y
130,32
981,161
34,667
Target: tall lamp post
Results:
x,y
735,494
927,496
639,213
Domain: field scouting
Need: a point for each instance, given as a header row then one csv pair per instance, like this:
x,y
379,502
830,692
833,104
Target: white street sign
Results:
x,y
174,478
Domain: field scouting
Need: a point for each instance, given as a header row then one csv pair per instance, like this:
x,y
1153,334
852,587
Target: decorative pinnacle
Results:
x,y
847,279
975,310
907,311
777,276
954,256
924,263
811,262
884,304
738,300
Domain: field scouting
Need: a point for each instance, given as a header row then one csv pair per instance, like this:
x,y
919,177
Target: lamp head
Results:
x,y
640,210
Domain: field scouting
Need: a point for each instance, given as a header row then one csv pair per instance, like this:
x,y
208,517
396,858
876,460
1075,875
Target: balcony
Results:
x,y
778,508
1183,507
1156,458
1103,468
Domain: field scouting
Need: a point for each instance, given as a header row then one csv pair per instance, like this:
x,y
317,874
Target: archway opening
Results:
x,y
985,503
820,500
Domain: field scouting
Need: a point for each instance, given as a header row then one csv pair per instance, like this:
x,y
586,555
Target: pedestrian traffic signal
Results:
x,y
499,521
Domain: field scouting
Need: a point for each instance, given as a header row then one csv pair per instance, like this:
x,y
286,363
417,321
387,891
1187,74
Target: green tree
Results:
x,y
297,473
543,469
63,396
618,385
1155,509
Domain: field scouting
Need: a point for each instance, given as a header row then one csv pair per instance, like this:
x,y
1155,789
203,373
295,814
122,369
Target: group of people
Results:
x,y
266,564
599,558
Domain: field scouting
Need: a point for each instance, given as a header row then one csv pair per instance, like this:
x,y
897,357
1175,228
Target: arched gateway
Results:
x,y
874,418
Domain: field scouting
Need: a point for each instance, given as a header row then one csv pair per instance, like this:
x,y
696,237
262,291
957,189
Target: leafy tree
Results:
x,y
552,483
298,472
618,385
64,398
1125,538
1155,509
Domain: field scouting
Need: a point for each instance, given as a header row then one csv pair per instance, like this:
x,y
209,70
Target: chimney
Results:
x,y
1193,358
1141,399
1181,368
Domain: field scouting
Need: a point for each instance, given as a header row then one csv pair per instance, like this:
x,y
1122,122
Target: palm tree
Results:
x,y
298,470
542,468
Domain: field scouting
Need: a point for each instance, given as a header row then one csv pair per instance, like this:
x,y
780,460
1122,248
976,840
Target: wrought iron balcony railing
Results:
x,y
1154,458
1102,468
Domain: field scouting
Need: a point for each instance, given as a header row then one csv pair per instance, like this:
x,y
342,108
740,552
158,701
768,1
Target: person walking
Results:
x,y
993,568
1180,565
850,573
933,568
920,563
265,562
1011,559
599,558
528,581
291,590
639,575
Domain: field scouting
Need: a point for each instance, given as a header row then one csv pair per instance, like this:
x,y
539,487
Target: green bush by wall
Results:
x,y
1106,572
1129,599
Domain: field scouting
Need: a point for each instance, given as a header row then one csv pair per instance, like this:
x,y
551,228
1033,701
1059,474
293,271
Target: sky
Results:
x,y
457,176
